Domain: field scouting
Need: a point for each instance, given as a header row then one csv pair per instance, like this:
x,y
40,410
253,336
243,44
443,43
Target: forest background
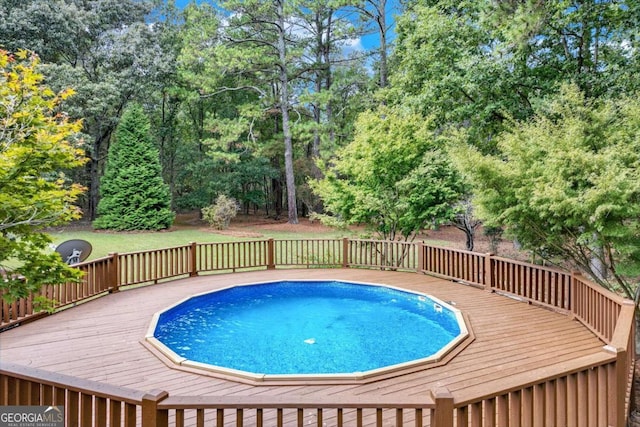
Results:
x,y
278,105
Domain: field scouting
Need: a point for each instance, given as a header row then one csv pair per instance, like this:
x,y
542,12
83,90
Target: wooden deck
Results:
x,y
102,340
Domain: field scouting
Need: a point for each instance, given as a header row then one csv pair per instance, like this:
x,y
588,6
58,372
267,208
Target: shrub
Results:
x,y
219,214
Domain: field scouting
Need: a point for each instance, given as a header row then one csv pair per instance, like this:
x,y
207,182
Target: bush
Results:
x,y
219,214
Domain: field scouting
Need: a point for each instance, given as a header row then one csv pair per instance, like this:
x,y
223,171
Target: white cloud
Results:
x,y
352,45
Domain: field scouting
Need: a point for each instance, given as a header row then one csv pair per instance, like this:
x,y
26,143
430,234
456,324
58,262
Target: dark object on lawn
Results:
x,y
74,251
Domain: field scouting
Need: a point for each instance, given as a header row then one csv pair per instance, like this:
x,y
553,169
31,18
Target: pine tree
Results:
x,y
133,194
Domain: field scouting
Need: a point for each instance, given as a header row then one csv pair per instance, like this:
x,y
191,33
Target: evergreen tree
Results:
x,y
134,196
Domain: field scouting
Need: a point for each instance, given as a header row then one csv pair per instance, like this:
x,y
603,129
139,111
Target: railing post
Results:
x,y
151,415
114,272
271,255
442,414
623,346
345,252
617,388
193,259
488,271
420,249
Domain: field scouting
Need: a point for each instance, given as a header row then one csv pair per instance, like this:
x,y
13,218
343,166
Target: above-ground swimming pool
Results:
x,y
307,329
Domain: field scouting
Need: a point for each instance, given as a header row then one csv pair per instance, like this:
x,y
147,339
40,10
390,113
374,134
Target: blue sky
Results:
x,y
366,43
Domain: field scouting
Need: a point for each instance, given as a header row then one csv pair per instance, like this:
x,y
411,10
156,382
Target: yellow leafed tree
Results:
x,y
37,142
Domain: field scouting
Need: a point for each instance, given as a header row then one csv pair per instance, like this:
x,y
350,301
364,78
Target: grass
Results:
x,y
189,229
104,243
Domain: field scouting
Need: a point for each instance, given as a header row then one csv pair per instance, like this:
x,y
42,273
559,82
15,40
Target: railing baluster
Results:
x,y
100,415
300,417
259,417
115,412
220,417
418,415
280,417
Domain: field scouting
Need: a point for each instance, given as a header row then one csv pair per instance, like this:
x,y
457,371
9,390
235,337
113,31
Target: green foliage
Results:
x,y
134,196
36,142
106,50
220,214
567,184
392,177
245,65
474,64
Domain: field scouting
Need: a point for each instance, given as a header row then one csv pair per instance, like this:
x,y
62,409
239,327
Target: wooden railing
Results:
x,y
317,253
153,265
230,256
577,395
90,403
400,256
534,283
96,280
469,267
298,410
594,390
557,395
86,403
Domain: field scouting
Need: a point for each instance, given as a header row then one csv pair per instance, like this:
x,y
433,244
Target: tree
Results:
x,y
36,141
261,41
374,14
393,177
241,62
567,185
334,92
106,50
134,196
466,221
474,64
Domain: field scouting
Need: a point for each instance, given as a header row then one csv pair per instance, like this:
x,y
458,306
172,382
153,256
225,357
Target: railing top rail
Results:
x,y
317,239
624,326
445,248
93,261
399,242
528,264
234,241
294,401
146,251
72,383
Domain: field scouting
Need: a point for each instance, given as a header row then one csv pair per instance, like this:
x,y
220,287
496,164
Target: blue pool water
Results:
x,y
307,327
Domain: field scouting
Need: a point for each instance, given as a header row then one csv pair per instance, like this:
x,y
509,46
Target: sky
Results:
x,y
365,43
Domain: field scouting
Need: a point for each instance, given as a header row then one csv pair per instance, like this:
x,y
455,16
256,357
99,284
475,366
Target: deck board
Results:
x,y
101,340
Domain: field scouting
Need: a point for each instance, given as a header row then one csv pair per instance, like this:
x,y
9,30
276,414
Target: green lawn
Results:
x,y
106,242
188,230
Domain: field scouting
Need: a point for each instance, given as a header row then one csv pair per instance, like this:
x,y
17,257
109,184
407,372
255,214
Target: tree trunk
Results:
x,y
100,152
469,244
597,264
284,108
382,18
94,189
377,12
276,196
